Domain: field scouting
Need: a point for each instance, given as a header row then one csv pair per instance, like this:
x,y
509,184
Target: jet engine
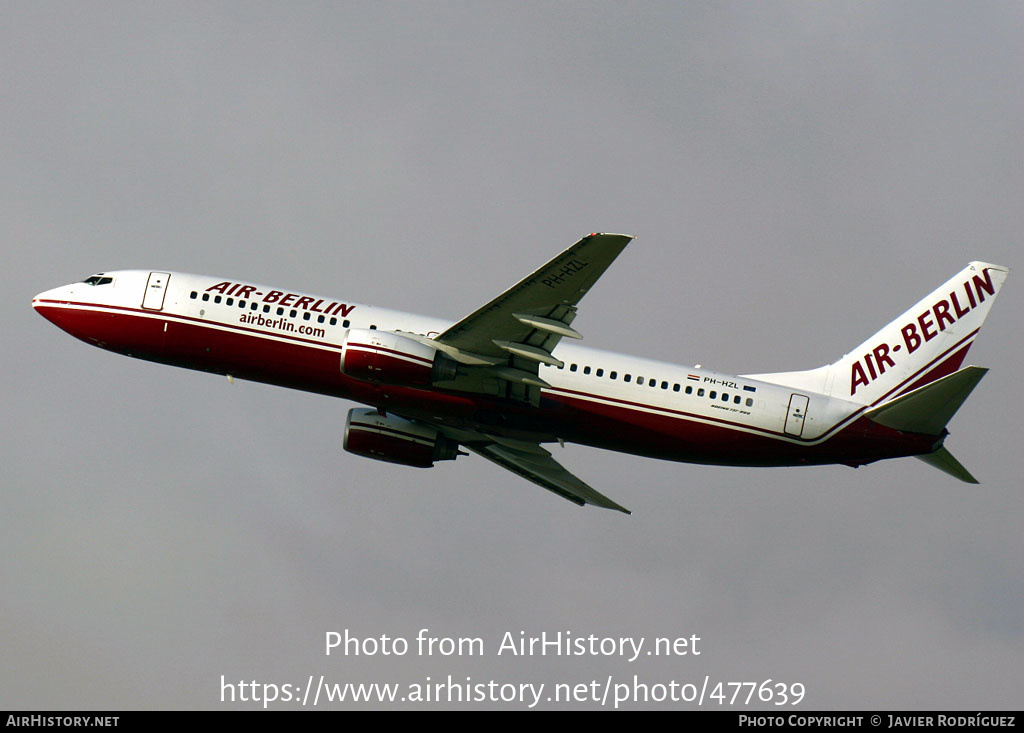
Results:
x,y
396,440
384,356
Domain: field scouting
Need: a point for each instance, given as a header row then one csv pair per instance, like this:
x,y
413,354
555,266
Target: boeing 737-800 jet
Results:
x,y
505,380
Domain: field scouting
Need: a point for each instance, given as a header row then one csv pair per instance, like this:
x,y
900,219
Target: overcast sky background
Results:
x,y
797,175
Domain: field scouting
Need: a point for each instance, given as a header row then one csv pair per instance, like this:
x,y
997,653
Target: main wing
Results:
x,y
540,467
510,337
517,331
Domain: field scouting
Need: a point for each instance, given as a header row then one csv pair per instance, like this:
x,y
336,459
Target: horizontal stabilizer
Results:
x,y
943,460
927,409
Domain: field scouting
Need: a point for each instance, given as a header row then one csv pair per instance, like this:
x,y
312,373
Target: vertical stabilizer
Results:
x,y
927,342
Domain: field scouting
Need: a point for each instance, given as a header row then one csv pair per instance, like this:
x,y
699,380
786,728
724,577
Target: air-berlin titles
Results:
x,y
280,298
927,326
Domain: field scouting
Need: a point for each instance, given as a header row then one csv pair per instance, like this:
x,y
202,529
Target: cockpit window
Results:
x,y
99,279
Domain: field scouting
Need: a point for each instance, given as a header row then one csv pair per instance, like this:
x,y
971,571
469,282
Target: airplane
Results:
x,y
506,380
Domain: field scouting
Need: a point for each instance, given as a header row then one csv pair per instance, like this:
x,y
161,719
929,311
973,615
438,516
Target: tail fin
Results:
x,y
927,342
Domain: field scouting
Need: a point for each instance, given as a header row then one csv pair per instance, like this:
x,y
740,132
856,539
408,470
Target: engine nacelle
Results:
x,y
396,440
383,356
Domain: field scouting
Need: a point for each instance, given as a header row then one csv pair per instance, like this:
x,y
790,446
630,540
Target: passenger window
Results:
x,y
613,375
689,389
216,299
292,314
750,402
306,316
664,385
600,372
266,309
280,311
206,296
713,395
725,396
320,319
230,301
334,322
736,400
193,295
586,370
700,392
254,306
572,367
640,381
626,378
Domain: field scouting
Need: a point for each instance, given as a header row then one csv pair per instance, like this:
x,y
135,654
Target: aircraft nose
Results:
x,y
47,303
39,301
51,294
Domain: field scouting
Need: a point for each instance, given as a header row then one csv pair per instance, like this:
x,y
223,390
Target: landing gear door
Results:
x,y
797,413
156,289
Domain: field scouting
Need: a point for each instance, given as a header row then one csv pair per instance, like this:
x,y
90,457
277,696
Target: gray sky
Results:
x,y
797,174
